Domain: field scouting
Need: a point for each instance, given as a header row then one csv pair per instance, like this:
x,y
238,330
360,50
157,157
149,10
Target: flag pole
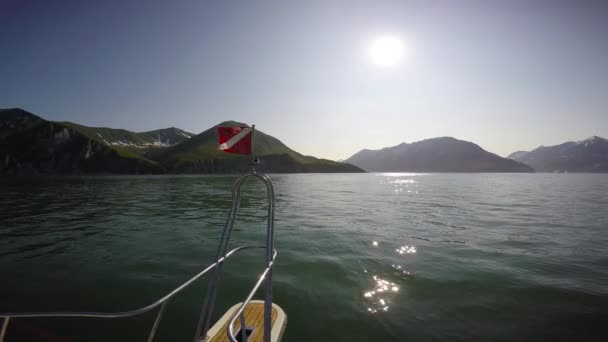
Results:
x,y
254,160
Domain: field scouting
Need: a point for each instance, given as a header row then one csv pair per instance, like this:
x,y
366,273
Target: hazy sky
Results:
x,y
507,75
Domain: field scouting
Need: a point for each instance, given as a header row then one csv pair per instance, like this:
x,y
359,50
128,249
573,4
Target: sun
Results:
x,y
387,51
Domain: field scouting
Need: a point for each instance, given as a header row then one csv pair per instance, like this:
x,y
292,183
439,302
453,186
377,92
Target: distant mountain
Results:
x,y
589,155
201,154
143,144
517,154
119,137
32,145
435,155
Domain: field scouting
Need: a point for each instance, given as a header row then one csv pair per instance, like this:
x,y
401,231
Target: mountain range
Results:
x,y
30,144
589,155
443,154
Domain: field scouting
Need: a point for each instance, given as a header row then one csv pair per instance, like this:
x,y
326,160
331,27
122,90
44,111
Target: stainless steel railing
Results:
x,y
240,312
211,293
162,302
209,302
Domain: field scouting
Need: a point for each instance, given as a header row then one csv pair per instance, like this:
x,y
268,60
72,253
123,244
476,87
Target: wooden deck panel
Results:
x,y
254,318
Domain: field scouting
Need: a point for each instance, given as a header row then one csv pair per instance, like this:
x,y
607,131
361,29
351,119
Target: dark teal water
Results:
x,y
369,257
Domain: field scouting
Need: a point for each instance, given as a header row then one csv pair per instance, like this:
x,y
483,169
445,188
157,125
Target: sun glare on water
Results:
x,y
387,51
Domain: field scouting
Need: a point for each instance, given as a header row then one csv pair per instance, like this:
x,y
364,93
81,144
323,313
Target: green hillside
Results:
x,y
32,145
201,154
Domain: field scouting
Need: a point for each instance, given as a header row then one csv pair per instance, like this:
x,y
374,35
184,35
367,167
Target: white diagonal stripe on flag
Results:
x,y
235,139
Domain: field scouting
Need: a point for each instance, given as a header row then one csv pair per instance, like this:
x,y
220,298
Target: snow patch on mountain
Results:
x,y
183,134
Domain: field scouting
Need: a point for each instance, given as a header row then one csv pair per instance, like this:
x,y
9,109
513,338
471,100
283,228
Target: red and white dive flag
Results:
x,y
235,139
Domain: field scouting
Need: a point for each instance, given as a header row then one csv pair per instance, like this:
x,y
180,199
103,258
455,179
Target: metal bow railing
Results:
x,y
162,302
240,312
209,301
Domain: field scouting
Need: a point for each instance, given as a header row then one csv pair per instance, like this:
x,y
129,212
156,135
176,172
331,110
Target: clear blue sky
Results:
x,y
507,75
